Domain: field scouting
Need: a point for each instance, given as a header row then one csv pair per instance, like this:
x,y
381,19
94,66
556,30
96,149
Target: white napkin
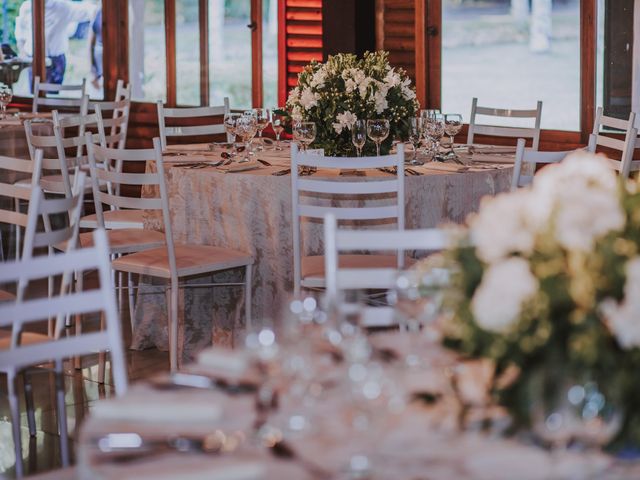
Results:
x,y
445,167
241,167
160,406
234,363
198,471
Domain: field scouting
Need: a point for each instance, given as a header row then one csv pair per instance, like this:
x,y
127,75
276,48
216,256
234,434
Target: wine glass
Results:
x,y
230,120
435,130
305,134
6,94
426,114
452,126
359,135
278,120
415,137
262,118
246,127
378,131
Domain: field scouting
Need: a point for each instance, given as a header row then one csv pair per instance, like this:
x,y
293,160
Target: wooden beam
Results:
x,y
257,93
379,24
170,42
434,54
282,52
588,43
421,51
203,24
39,46
115,19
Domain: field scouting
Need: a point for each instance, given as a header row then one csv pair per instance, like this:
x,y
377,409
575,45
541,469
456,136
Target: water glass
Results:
x,y
262,118
278,120
359,135
246,128
426,114
6,95
434,130
378,131
452,126
304,133
230,120
415,137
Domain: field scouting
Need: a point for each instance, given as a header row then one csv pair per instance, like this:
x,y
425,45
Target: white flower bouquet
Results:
x,y
344,89
547,282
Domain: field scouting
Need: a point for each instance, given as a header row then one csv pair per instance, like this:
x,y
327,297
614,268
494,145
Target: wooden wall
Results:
x,y
395,32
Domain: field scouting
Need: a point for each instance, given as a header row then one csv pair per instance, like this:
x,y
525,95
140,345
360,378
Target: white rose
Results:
x,y
623,319
497,302
507,224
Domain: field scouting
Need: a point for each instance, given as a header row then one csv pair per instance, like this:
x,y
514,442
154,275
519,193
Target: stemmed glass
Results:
x,y
6,94
304,133
230,120
452,126
263,117
277,123
425,115
359,135
246,128
415,137
434,131
378,131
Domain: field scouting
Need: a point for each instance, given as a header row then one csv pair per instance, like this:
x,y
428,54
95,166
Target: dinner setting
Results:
x,y
315,239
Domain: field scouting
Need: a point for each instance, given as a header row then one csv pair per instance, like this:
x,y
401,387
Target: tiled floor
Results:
x,y
42,452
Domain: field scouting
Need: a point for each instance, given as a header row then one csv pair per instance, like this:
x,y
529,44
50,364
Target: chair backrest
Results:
x,y
501,131
115,124
339,279
11,194
72,148
627,146
186,113
76,104
527,161
341,190
157,197
20,313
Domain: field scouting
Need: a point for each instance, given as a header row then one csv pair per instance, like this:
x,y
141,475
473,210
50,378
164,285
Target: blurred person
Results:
x,y
95,48
58,16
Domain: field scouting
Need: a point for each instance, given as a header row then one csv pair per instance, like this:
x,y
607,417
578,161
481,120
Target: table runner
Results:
x,y
251,211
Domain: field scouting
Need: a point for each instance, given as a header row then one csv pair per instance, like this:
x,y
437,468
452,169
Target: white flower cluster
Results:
x,y
623,319
505,287
575,200
344,120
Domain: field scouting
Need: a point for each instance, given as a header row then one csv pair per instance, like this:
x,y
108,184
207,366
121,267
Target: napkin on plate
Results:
x,y
488,149
234,363
136,407
241,167
445,167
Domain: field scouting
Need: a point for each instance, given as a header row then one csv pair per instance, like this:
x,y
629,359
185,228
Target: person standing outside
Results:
x,y
95,47
58,15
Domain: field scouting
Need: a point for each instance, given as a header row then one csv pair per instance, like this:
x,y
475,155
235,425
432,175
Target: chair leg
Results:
x,y
62,415
132,301
14,409
28,396
79,286
50,287
247,296
173,326
120,295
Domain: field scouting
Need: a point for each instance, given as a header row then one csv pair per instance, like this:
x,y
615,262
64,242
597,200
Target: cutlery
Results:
x,y
178,380
279,173
283,450
263,162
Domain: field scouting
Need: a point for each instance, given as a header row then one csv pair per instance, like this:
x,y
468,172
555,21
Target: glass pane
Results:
x,y
147,64
615,57
14,68
270,52
187,52
511,54
230,52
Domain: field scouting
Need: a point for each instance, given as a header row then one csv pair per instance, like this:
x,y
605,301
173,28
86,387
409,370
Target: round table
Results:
x,y
251,211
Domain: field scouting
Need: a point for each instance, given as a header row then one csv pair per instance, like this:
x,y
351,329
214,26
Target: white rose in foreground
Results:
x,y
507,224
584,192
624,319
497,302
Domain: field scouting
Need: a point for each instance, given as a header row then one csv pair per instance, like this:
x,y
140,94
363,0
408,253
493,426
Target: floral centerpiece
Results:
x,y
346,88
546,283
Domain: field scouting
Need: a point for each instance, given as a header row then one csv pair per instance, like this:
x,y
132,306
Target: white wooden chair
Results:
x,y
77,104
116,124
527,161
16,315
14,194
340,278
501,131
191,112
626,147
170,261
308,271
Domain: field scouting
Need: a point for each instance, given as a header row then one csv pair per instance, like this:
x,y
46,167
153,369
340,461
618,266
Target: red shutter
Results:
x,y
299,40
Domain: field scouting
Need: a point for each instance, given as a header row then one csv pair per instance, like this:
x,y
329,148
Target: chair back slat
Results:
x,y
186,113
625,146
79,104
504,131
527,160
309,195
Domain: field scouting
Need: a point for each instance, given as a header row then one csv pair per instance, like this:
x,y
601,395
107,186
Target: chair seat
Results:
x,y
190,260
126,240
115,219
6,296
55,184
27,338
312,267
